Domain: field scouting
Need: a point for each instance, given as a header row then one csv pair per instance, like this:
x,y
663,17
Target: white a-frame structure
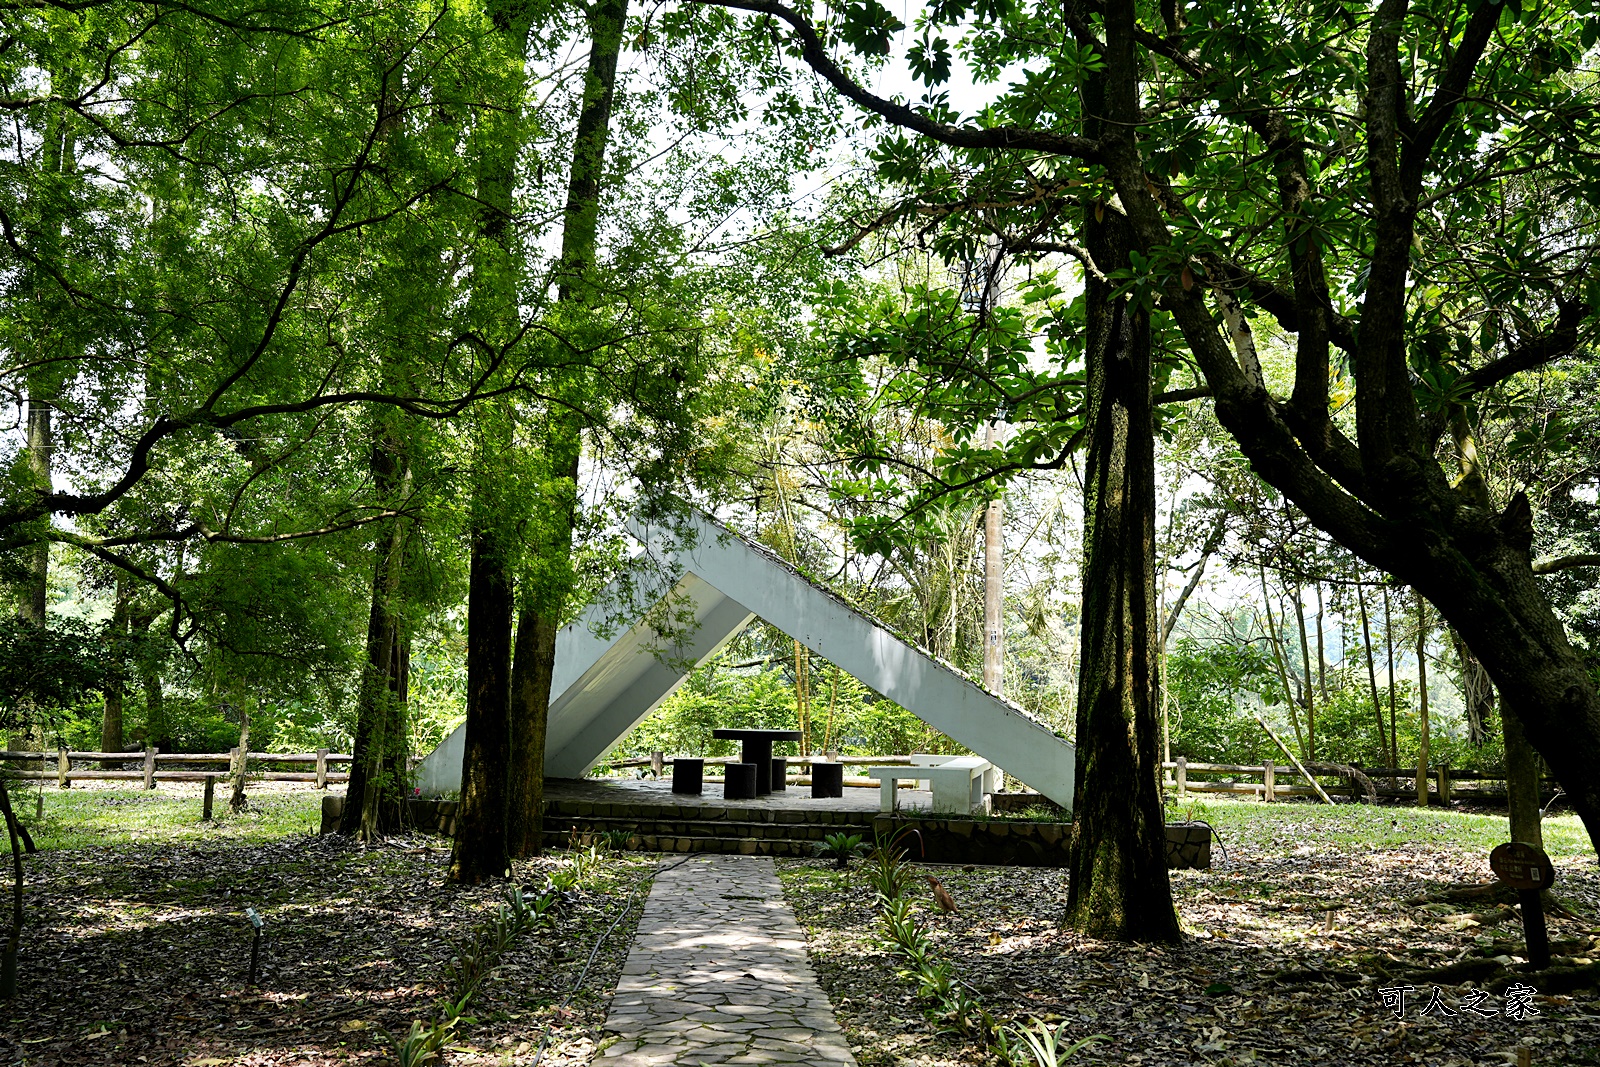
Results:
x,y
605,685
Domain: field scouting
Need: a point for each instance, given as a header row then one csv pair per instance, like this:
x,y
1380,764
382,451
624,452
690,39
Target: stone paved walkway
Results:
x,y
718,974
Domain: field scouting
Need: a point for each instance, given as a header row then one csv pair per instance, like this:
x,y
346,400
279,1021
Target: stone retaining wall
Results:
x,y
1012,843
989,842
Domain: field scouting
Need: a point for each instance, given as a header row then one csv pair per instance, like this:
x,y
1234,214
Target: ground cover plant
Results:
x,y
106,817
136,950
1288,942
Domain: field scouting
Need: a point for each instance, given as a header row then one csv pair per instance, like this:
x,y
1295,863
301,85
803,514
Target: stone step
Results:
x,y
709,812
688,828
746,846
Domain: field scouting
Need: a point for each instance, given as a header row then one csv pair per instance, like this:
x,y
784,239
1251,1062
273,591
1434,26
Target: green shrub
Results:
x,y
889,872
841,847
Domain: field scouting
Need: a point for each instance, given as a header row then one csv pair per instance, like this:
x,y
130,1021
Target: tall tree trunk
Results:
x,y
116,682
994,588
802,696
1372,670
1213,541
1523,772
531,678
1422,701
1119,887
59,159
1322,649
545,601
490,774
41,456
156,728
1388,644
481,851
1477,691
379,743
1523,766
8,956
378,702
241,768
1281,658
833,702
1305,661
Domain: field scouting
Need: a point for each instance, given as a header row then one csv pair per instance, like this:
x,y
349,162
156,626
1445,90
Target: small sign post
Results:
x,y
1529,871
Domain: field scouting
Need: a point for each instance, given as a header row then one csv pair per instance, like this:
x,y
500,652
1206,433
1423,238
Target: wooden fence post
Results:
x,y
322,768
149,767
63,765
1444,784
1266,772
1180,774
211,792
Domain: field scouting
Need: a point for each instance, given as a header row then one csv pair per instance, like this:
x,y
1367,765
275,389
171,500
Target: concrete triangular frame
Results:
x,y
610,674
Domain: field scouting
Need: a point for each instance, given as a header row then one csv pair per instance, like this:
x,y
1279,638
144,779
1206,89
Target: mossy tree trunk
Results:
x,y
8,956
115,692
1118,888
482,847
380,726
481,851
548,574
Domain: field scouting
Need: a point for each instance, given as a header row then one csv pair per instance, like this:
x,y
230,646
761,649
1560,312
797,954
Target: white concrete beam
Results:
x,y
936,693
604,686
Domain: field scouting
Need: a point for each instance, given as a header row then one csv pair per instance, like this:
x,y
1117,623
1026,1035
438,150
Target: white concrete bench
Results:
x,y
991,778
958,782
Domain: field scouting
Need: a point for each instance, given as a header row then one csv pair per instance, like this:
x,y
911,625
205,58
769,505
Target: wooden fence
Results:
x,y
1444,783
182,766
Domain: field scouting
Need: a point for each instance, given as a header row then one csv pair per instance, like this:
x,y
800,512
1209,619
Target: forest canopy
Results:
x,y
335,343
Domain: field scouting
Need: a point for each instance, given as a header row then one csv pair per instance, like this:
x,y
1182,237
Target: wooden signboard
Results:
x,y
1522,866
1529,871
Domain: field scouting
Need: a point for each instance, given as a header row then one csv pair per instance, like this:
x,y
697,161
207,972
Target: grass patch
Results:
x,y
90,818
1284,827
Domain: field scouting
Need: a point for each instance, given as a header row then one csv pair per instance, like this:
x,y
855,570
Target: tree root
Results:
x,y
1474,969
1469,893
1562,976
1308,976
1554,980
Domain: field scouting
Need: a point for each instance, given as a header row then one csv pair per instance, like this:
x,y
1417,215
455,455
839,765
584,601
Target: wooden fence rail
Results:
x,y
1444,782
193,763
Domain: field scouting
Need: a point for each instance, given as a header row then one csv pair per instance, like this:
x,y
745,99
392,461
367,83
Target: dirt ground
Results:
x,y
136,950
138,954
1284,962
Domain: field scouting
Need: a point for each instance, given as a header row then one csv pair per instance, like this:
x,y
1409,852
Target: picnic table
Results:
x,y
756,747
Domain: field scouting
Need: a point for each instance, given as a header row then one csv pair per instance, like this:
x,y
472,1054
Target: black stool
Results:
x,y
688,775
780,773
740,783
827,780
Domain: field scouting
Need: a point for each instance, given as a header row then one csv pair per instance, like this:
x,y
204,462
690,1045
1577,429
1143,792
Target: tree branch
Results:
x,y
1213,539
998,137
1564,563
1068,248
1447,96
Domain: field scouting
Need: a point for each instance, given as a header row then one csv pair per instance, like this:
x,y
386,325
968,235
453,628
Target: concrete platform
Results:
x,y
649,792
